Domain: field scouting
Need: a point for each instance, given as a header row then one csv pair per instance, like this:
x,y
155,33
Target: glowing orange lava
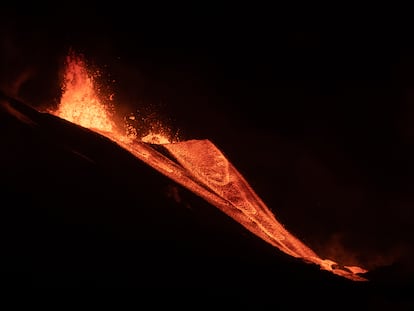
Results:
x,y
199,166
80,102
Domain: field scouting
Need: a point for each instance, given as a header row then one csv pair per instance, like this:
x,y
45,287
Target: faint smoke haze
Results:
x,y
28,61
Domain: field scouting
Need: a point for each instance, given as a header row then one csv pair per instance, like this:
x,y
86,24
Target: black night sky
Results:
x,y
318,118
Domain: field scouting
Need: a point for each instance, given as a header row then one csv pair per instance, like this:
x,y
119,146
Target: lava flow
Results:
x,y
199,166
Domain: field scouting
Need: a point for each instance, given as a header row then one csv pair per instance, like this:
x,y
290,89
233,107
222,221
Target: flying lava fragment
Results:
x,y
198,165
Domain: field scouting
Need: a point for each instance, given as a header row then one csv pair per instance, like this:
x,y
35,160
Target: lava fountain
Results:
x,y
198,165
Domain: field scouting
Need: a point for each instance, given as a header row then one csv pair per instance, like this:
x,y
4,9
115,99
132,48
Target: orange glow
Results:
x,y
80,102
155,138
200,167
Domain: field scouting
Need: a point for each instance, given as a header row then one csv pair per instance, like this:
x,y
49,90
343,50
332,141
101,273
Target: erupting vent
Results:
x,y
199,166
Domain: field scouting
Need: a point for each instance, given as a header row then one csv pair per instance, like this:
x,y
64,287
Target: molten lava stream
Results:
x,y
202,168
